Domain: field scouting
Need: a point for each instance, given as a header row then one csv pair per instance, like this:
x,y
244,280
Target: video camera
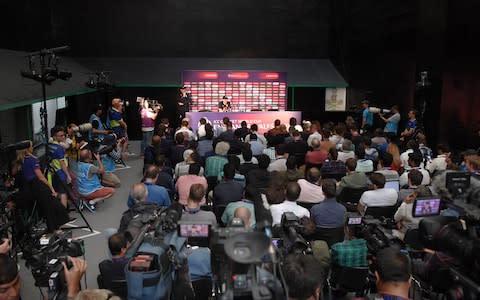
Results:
x,y
377,110
44,256
153,104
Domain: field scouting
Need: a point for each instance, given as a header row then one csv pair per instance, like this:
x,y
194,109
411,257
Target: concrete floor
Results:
x,y
108,215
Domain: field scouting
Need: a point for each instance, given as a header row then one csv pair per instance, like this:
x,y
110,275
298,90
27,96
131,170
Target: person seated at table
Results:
x,y
224,105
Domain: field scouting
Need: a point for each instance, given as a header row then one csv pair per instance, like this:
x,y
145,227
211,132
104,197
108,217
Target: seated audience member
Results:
x,y
393,274
338,135
332,167
277,186
328,213
414,161
166,139
236,145
379,196
415,178
293,125
289,205
259,177
156,194
139,194
393,150
228,190
245,215
214,164
10,281
114,269
255,145
314,133
439,163
185,130
228,135
317,156
384,167
247,165
379,140
165,177
347,151
370,152
403,217
363,165
235,161
260,138
192,212
353,179
311,187
298,148
184,183
355,136
353,251
205,144
412,146
88,180
190,157
243,131
229,212
293,174
151,151
304,277
176,151
426,151
279,163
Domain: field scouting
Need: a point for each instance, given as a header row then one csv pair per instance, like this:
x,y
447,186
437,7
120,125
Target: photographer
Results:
x,y
10,281
391,122
98,128
304,277
59,164
88,179
108,160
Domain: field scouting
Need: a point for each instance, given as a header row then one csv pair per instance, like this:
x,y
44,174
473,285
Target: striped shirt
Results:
x,y
214,165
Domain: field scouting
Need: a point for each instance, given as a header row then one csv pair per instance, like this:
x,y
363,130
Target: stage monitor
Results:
x,y
457,182
246,90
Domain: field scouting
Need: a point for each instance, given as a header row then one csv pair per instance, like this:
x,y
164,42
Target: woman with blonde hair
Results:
x,y
395,152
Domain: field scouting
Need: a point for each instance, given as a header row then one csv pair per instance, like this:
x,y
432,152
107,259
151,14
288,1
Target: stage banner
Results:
x,y
264,119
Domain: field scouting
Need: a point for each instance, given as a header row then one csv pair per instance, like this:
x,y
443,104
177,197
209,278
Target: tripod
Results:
x,y
70,197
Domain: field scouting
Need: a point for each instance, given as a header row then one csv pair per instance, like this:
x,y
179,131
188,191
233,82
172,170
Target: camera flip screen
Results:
x,y
193,230
426,207
354,220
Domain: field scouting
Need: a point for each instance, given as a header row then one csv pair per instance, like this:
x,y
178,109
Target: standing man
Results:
x,y
98,128
367,116
411,125
59,164
115,117
183,102
392,122
148,115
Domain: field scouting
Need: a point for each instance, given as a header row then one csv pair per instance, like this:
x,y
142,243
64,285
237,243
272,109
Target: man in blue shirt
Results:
x,y
328,213
156,194
367,116
59,164
392,122
411,125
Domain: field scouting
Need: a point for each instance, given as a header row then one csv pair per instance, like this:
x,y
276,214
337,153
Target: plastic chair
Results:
x,y
329,235
346,279
381,211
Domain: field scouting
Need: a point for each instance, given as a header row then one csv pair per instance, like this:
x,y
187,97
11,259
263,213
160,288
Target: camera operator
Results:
x,y
38,188
391,122
88,179
116,122
304,277
114,269
98,128
393,274
353,251
59,164
10,281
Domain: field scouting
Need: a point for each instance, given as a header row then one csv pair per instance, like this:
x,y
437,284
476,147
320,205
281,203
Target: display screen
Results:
x,y
426,207
193,230
354,220
245,90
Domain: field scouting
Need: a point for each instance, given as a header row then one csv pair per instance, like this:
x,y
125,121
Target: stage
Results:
x,y
264,119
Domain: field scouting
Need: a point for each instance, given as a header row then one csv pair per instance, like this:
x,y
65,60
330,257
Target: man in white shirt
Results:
x,y
260,137
289,205
439,163
412,145
315,134
311,188
379,196
280,162
414,161
347,151
189,135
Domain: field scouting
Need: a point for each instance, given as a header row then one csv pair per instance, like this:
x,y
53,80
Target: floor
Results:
x,y
108,215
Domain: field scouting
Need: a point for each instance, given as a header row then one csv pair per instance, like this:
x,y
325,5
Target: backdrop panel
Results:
x,y
264,119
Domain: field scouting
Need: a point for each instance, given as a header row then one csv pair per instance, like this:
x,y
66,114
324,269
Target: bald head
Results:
x,y
244,214
139,192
